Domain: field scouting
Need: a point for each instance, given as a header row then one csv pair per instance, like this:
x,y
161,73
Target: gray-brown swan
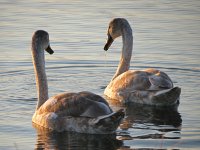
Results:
x,y
149,86
82,112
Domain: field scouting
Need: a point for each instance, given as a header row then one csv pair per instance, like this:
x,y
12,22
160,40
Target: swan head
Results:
x,y
40,40
115,29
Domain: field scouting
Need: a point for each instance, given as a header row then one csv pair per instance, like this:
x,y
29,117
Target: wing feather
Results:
x,y
76,104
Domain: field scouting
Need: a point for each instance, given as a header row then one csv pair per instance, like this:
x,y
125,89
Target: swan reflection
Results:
x,y
70,140
144,121
151,122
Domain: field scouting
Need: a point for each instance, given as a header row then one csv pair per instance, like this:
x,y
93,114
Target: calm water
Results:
x,y
166,36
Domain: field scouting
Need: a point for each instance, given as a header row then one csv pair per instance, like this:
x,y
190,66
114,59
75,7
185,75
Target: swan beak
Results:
x,y
49,50
109,42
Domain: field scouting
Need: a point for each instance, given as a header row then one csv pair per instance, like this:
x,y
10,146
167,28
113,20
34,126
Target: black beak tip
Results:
x,y
109,43
51,52
105,48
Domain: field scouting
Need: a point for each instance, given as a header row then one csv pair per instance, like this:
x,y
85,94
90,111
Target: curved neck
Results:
x,y
126,54
40,75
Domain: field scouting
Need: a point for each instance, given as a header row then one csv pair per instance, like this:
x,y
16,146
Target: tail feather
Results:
x,y
110,122
167,97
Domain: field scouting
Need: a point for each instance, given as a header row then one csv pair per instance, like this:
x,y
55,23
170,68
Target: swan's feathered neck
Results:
x,y
126,54
40,74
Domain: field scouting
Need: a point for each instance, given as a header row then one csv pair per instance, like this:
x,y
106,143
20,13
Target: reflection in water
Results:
x,y
65,140
151,122
141,122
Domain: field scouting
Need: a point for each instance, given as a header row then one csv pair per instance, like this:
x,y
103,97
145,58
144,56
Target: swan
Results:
x,y
149,86
82,112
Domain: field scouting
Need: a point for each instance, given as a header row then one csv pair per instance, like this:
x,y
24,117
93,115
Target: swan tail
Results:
x,y
109,123
167,97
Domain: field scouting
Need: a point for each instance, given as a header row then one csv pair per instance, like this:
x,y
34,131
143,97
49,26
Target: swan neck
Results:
x,y
126,54
40,74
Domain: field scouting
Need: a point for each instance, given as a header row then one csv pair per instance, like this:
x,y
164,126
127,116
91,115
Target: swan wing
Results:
x,y
160,82
76,104
131,80
159,79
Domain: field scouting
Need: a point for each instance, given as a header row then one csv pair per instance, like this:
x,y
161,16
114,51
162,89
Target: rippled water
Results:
x,y
166,36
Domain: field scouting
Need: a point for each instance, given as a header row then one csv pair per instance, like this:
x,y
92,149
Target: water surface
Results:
x,y
166,37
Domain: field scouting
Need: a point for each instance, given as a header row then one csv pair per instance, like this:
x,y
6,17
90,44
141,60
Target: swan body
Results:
x,y
82,112
149,86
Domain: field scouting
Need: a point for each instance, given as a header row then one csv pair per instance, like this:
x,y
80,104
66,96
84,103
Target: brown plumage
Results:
x,y
82,112
150,86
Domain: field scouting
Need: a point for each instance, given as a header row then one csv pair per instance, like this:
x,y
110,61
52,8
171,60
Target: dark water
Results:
x,y
166,37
